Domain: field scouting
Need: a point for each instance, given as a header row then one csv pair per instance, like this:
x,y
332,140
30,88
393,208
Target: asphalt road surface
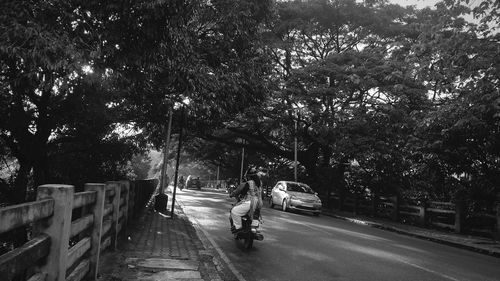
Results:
x,y
302,247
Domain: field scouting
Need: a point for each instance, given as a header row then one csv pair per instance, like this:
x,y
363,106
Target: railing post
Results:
x,y
459,215
98,211
126,186
137,198
341,201
497,230
395,207
374,205
138,187
356,203
116,212
423,214
58,228
131,199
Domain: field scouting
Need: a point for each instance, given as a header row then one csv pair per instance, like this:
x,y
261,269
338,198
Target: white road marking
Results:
x,y
429,270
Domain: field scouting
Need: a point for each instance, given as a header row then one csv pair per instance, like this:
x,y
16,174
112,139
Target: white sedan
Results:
x,y
295,196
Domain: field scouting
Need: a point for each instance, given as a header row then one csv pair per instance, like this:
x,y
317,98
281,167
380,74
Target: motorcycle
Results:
x,y
230,188
250,225
249,231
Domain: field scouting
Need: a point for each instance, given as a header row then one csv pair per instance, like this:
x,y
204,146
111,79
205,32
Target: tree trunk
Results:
x,y
40,167
21,183
309,158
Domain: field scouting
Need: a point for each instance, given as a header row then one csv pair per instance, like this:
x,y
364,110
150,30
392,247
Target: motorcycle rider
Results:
x,y
250,193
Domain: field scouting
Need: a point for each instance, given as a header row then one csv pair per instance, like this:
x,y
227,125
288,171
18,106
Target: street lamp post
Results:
x,y
165,154
217,180
177,162
295,152
242,160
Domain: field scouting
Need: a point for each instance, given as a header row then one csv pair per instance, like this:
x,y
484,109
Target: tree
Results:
x,y
71,77
314,80
404,92
459,62
40,58
141,164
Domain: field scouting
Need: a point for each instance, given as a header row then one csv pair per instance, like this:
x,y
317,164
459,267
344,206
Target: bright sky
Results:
x,y
430,3
419,3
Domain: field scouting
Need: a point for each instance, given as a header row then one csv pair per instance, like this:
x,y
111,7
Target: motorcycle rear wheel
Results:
x,y
248,242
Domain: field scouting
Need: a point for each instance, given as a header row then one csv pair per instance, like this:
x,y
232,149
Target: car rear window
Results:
x,y
298,187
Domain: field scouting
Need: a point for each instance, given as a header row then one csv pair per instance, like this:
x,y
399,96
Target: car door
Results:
x,y
275,194
280,193
283,192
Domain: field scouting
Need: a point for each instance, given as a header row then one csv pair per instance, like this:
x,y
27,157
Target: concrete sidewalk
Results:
x,y
159,248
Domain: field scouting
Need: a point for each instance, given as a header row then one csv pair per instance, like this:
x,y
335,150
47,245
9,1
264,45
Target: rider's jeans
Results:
x,y
238,211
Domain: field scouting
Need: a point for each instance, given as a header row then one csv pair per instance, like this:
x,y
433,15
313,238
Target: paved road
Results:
x,y
303,247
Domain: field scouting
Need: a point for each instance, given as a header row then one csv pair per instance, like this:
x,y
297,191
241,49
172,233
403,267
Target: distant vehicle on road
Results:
x,y
231,184
295,196
193,183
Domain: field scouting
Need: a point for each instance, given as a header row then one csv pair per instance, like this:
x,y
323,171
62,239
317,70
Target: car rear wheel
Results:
x,y
284,206
271,202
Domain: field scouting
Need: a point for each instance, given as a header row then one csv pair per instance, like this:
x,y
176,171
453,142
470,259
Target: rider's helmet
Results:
x,y
255,175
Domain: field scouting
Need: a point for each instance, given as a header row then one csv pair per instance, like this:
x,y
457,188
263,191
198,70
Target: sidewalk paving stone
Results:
x,y
159,248
156,263
172,275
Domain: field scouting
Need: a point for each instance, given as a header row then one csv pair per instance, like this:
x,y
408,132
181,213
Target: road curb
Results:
x,y
420,236
220,262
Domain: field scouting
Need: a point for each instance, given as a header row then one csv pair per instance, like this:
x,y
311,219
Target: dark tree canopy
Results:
x,y
76,74
410,95
382,99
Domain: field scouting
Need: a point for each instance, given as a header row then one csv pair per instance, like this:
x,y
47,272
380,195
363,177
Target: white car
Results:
x,y
295,196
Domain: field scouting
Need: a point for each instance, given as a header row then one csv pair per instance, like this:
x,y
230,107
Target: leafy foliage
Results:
x,y
409,95
74,74
382,99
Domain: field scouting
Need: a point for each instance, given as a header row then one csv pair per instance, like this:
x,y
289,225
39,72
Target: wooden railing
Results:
x,y
69,230
215,184
446,215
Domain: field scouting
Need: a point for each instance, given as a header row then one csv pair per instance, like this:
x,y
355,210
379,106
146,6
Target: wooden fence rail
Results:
x,y
66,248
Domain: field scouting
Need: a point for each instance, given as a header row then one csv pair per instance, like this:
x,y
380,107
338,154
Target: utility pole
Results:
x,y
242,159
217,181
177,162
161,199
295,153
165,153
